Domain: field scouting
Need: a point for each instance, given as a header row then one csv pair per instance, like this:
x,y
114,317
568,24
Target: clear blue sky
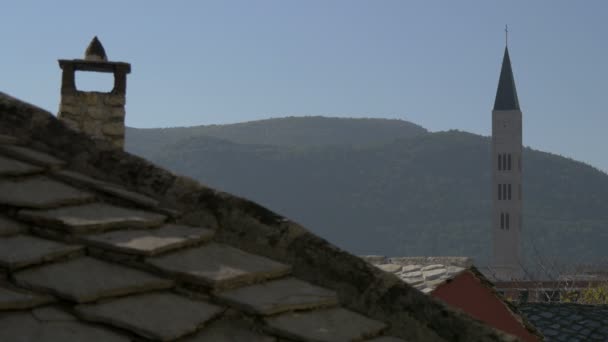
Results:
x,y
435,63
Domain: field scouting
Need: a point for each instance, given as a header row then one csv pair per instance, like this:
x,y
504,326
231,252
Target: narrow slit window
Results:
x,y
509,192
499,191
507,220
509,162
499,162
502,221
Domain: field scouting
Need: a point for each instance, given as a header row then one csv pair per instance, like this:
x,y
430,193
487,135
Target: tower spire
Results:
x,y
506,35
506,94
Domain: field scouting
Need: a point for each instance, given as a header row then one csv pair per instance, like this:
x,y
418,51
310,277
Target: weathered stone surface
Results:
x,y
151,241
279,296
7,139
332,325
227,330
32,156
13,299
433,267
40,192
52,313
9,227
24,327
86,279
413,274
157,316
411,268
413,280
433,274
115,100
12,167
219,266
23,250
105,187
390,268
94,217
386,339
113,128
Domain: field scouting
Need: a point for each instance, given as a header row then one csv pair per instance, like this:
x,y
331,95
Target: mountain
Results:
x,y
291,131
389,187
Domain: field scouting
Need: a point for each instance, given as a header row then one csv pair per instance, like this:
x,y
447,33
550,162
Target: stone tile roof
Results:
x,y
568,321
427,273
100,245
423,273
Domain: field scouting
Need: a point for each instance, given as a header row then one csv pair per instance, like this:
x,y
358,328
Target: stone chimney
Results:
x,y
98,114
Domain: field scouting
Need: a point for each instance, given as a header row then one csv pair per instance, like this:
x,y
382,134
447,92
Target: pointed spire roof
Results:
x,y
95,51
506,94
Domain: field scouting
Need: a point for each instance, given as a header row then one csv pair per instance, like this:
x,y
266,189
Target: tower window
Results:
x,y
499,162
507,220
509,192
499,191
502,221
504,161
509,162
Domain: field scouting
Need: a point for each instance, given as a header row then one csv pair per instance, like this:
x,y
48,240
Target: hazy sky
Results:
x,y
435,63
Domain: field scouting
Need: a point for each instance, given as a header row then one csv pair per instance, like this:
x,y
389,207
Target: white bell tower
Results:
x,y
506,176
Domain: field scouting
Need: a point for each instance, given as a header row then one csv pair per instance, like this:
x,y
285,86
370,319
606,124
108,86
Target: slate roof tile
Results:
x,y
12,298
219,266
23,250
151,241
278,296
10,227
93,217
40,192
13,167
157,316
331,325
24,326
31,156
87,279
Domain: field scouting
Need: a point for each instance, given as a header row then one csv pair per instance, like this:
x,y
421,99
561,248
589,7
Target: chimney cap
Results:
x,y
95,51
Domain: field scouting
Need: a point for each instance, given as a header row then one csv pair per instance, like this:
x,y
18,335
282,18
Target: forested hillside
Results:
x,y
389,187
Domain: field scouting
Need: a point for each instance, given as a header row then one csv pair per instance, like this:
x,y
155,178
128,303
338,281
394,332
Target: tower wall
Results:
x,y
507,192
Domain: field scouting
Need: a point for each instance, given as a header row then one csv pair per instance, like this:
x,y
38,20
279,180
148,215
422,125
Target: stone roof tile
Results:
x,y
151,241
219,266
40,192
93,217
278,296
158,316
12,167
87,279
325,325
23,250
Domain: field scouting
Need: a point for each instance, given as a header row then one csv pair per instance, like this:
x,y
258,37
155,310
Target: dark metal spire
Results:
x,y
506,94
95,51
